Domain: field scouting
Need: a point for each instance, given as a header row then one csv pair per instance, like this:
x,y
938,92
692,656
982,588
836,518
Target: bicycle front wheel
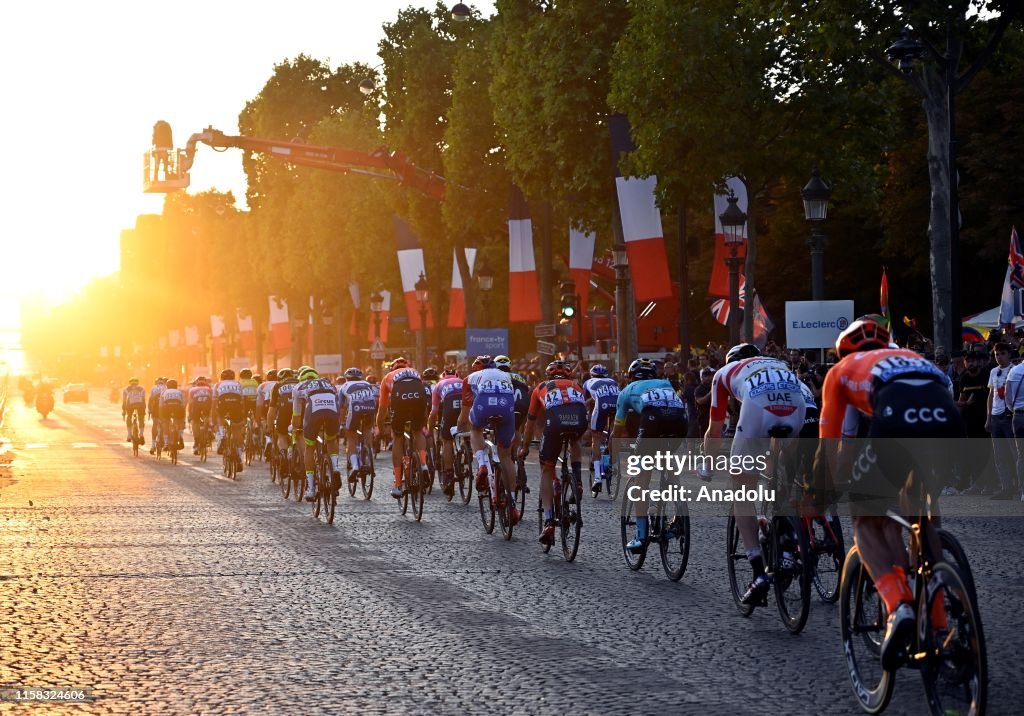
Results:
x,y
955,674
738,566
862,620
486,508
792,572
368,473
627,531
674,540
827,554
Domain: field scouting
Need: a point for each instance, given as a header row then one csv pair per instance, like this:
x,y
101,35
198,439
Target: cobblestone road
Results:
x,y
169,590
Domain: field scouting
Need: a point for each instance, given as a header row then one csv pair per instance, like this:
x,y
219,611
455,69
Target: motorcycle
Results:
x,y
44,404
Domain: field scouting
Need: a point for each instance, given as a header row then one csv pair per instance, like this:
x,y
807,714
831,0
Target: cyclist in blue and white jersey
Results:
x,y
603,393
358,401
133,400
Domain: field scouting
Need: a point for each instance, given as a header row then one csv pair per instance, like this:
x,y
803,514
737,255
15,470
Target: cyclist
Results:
x,y
603,393
199,403
559,401
315,407
446,404
522,406
771,405
154,409
279,414
358,400
172,405
903,396
133,401
403,397
661,414
228,405
263,407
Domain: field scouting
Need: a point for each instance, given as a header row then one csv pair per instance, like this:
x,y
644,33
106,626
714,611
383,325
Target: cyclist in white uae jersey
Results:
x,y
771,405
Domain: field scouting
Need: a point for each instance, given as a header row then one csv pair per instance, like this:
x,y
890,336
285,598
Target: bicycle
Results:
x,y
248,438
669,530
366,471
785,547
279,458
326,499
173,447
464,466
566,494
951,659
609,470
296,468
432,461
827,551
495,499
413,484
230,458
202,438
135,433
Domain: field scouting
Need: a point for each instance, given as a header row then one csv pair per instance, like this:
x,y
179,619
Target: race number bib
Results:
x,y
661,398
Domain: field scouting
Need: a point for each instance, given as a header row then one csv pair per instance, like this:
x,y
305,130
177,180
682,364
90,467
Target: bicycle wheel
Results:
x,y
431,466
298,477
418,488
203,447
861,626
674,539
953,553
955,675
738,566
273,465
627,530
284,480
368,473
135,436
792,577
486,508
318,483
828,551
571,520
611,482
464,474
403,502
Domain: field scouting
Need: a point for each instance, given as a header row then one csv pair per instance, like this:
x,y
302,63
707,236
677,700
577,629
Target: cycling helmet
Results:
x,y
482,362
133,381
246,374
161,381
399,362
271,374
503,363
202,380
354,374
285,374
371,379
307,373
302,369
340,380
598,371
450,370
642,369
172,384
227,374
430,374
557,369
864,334
741,351
257,377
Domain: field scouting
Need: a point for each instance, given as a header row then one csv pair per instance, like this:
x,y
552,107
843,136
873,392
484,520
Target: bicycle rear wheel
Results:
x,y
738,566
464,474
368,472
953,553
298,477
627,531
418,488
674,539
330,498
486,508
792,580
318,483
955,675
570,522
861,626
506,504
284,477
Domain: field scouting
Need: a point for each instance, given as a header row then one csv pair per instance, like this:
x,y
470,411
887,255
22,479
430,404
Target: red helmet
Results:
x,y
867,333
399,363
557,369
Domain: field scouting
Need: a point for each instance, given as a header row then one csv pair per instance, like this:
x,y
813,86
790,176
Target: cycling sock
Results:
x,y
756,562
892,587
641,527
549,514
335,462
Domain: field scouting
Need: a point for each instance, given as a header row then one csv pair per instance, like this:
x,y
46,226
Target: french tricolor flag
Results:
x,y
280,332
523,292
410,265
719,284
581,259
385,318
641,222
245,331
457,302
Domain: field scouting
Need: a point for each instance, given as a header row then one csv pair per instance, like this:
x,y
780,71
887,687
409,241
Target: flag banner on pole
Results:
x,y
884,297
1014,279
581,259
719,283
641,221
457,297
216,326
191,335
280,331
410,265
353,291
523,291
173,337
720,308
385,318
762,323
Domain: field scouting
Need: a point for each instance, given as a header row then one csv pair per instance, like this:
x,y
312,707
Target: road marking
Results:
x,y
36,446
84,445
211,473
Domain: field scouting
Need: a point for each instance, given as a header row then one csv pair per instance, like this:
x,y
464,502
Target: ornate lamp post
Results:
x,y
376,308
422,296
815,195
734,220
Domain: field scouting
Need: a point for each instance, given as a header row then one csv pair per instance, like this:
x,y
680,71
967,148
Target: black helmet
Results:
x,y
642,369
227,374
285,374
172,384
430,374
741,351
245,374
271,374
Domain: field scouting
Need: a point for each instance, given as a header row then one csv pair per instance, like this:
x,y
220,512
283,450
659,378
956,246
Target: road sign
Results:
x,y
546,348
544,330
377,349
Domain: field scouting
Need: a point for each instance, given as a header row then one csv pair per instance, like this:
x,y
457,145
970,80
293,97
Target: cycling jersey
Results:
x,y
359,401
403,394
605,394
228,396
263,396
522,393
154,399
317,402
133,398
172,395
200,400
446,402
490,396
565,414
642,394
281,400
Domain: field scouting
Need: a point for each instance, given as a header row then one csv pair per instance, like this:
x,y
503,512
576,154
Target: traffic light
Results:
x,y
568,301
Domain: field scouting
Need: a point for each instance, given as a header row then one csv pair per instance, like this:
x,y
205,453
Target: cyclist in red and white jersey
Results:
x,y
771,406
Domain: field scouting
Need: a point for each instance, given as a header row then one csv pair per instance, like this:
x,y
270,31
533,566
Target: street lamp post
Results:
x,y
905,52
422,296
622,305
815,195
733,221
376,308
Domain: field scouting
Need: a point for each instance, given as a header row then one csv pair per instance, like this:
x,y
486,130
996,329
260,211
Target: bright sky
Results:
x,y
85,81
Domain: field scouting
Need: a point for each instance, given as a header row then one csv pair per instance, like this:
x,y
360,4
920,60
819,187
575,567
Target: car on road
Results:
x,y
76,393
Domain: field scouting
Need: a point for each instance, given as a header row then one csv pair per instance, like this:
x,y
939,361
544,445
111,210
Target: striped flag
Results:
x,y
523,292
719,284
641,222
191,335
884,296
353,291
1014,279
581,258
457,298
280,331
410,265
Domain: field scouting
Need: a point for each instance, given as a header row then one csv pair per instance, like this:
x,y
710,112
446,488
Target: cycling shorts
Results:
x,y
175,410
362,421
601,415
138,408
409,401
154,406
501,412
905,412
284,419
560,422
780,412
229,407
450,411
312,422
